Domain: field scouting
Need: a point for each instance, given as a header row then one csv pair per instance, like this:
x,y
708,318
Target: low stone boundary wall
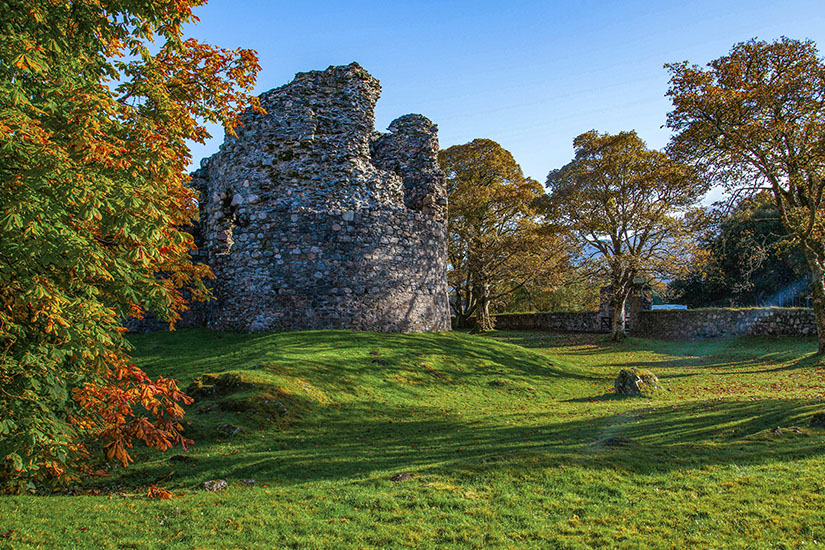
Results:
x,y
718,322
586,321
676,323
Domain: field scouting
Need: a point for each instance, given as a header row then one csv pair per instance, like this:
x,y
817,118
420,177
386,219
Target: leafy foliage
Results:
x,y
624,204
93,135
567,288
746,258
758,115
497,243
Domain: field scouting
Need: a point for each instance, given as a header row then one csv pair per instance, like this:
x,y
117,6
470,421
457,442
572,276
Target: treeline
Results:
x,y
752,121
616,213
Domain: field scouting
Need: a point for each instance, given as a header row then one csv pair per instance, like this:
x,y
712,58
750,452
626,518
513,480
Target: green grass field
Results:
x,y
510,441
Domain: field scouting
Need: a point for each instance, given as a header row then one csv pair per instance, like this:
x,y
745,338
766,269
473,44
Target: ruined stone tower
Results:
x,y
311,219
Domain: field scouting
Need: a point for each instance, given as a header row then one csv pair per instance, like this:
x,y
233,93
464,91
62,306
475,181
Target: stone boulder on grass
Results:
x,y
635,382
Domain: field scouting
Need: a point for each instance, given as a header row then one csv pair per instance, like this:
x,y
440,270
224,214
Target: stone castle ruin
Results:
x,y
311,219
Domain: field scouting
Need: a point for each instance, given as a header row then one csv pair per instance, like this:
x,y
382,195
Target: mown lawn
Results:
x,y
510,440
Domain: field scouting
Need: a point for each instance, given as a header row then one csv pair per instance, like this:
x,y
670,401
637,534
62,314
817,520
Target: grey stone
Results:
x,y
214,485
635,382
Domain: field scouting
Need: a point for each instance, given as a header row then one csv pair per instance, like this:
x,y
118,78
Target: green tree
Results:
x,y
758,115
93,156
497,241
746,258
624,204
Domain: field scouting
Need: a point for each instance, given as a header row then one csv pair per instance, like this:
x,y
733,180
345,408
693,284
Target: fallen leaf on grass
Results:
x,y
158,493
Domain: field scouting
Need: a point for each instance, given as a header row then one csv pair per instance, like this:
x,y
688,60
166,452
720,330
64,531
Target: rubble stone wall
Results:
x,y
676,323
585,321
719,322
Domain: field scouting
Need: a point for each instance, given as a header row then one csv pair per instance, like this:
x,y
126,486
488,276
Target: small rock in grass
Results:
x,y
635,382
818,420
214,485
249,482
401,477
375,352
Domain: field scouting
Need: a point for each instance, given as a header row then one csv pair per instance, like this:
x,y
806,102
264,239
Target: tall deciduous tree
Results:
x,y
497,242
93,158
758,114
625,205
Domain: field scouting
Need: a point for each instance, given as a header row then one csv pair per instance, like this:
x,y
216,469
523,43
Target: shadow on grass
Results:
x,y
368,439
719,356
361,434
602,398
586,344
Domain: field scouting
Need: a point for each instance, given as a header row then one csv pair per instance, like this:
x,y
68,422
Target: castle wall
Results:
x,y
310,219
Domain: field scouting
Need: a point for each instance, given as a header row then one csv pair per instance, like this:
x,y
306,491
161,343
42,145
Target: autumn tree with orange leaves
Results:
x,y
93,158
497,243
753,121
626,206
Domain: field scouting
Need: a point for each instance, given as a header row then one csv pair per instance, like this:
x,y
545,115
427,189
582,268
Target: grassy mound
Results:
x,y
258,395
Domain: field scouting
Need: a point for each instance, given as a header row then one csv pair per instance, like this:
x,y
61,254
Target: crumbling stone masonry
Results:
x,y
311,219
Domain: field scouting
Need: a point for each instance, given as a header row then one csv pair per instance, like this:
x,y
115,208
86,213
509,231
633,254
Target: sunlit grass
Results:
x,y
513,440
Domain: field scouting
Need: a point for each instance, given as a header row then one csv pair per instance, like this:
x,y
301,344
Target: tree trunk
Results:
x,y
617,321
464,306
460,311
461,320
484,321
817,295
818,304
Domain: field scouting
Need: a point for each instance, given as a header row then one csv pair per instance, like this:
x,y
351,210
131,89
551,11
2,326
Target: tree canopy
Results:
x,y
755,120
624,205
93,133
746,258
497,241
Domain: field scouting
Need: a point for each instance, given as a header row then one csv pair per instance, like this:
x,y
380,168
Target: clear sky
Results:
x,y
530,75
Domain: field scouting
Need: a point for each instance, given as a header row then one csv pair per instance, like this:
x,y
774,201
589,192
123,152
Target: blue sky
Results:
x,y
530,75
